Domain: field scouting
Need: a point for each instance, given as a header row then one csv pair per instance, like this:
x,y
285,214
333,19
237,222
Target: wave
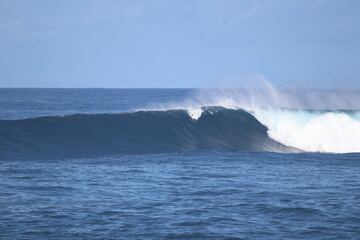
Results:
x,y
140,132
181,130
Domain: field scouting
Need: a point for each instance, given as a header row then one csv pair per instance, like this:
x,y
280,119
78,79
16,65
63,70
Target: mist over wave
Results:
x,y
312,120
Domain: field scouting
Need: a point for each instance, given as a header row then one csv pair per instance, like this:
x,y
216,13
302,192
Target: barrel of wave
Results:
x,y
313,131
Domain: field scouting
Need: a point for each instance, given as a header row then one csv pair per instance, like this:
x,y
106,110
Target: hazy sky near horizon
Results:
x,y
177,43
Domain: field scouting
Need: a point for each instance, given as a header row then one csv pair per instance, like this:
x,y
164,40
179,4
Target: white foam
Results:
x,y
194,113
335,132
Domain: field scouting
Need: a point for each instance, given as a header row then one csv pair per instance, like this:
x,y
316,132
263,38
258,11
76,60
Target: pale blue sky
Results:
x,y
179,43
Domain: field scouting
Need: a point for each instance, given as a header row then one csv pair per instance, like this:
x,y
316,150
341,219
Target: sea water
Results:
x,y
226,172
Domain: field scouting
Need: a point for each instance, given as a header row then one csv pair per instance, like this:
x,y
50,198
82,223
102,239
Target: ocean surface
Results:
x,y
179,164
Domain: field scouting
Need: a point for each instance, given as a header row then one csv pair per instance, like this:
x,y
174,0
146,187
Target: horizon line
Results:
x,y
180,88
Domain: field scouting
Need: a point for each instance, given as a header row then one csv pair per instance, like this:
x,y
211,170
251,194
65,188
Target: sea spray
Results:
x,y
310,120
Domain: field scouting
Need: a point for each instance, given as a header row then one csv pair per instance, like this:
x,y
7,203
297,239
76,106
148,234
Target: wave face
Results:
x,y
141,132
313,130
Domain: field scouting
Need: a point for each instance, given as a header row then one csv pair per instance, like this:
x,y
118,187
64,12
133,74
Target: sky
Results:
x,y
179,43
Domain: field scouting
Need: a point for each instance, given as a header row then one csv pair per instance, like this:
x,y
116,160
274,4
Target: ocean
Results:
x,y
179,164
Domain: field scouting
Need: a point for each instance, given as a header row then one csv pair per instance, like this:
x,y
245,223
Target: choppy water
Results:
x,y
213,195
196,194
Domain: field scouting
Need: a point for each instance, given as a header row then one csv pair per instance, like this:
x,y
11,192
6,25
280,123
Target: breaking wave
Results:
x,y
181,130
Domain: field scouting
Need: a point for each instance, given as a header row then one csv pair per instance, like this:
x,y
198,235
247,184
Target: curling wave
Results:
x,y
140,132
181,130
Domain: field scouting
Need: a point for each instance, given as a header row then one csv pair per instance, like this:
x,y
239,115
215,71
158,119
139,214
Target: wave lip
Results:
x,y
141,132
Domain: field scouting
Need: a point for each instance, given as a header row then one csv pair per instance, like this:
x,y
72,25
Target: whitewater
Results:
x,y
313,131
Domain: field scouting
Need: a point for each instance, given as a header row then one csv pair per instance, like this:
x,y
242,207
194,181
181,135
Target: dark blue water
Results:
x,y
181,194
213,195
